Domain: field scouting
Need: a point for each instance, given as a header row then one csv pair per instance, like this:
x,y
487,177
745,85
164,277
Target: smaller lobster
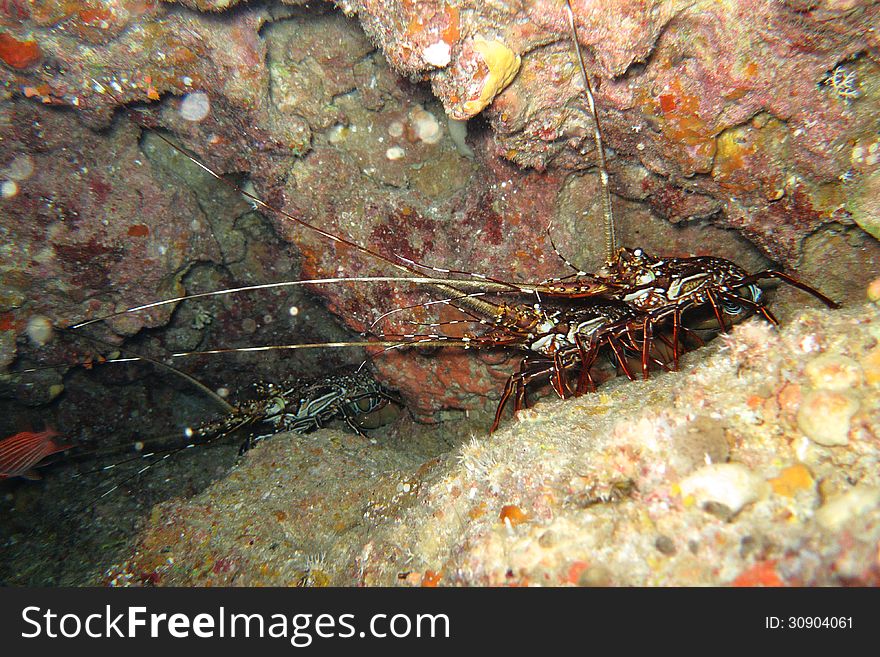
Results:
x,y
302,406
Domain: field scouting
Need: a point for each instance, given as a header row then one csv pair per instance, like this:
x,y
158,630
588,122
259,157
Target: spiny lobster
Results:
x,y
562,324
298,406
304,405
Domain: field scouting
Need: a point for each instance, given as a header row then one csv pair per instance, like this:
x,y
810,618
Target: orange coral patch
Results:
x,y
682,123
514,514
18,54
667,103
761,574
431,578
138,230
791,480
42,90
573,576
452,31
446,21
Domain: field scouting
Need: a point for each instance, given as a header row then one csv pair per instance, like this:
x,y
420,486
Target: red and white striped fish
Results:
x,y
20,452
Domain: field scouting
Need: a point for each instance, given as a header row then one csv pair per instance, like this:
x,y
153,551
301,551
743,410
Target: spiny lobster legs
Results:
x,y
559,337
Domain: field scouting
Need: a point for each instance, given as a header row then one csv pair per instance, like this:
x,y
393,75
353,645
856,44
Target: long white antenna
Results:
x,y
607,211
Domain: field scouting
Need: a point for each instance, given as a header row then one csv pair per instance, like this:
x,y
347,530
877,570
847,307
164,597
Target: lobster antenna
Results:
x,y
607,211
269,286
158,363
403,341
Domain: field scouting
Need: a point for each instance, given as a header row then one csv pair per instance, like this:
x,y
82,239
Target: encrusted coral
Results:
x,y
502,65
844,82
18,54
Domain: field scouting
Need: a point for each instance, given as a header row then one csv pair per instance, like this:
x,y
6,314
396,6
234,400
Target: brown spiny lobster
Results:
x,y
561,325
298,406
304,405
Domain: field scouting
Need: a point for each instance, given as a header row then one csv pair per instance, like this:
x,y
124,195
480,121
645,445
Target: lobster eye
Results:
x,y
638,253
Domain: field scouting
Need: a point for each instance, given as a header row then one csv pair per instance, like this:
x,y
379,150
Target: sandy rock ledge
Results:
x,y
704,476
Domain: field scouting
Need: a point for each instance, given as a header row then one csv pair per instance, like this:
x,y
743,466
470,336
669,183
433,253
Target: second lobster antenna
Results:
x,y
607,212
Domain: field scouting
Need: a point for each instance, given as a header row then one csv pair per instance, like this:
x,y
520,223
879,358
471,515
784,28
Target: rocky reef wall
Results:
x,y
454,134
755,116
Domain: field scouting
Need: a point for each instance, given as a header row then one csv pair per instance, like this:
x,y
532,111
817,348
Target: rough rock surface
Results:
x,y
760,110
703,476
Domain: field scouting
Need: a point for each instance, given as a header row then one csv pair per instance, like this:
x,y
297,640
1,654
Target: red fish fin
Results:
x,y
55,447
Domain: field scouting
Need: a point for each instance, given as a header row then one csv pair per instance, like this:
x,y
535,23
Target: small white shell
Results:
x,y
195,106
730,484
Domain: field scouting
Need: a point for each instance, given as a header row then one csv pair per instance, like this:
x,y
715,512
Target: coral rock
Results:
x,y
730,484
837,512
824,416
834,372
